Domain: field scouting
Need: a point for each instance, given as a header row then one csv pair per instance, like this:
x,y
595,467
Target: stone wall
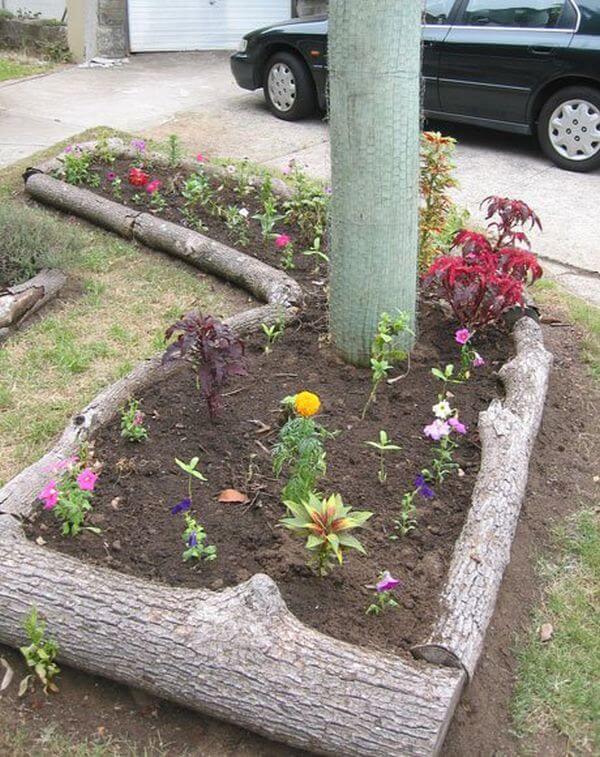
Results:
x,y
35,36
112,29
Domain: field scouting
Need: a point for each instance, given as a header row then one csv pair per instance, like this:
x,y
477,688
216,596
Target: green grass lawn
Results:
x,y
558,685
14,66
120,300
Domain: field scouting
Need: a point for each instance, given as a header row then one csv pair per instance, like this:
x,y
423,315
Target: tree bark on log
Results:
x,y
507,430
19,302
238,655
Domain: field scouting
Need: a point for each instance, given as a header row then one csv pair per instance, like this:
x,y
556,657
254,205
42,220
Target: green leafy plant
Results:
x,y
194,537
269,218
236,220
241,173
273,333
70,497
407,521
104,151
436,205
325,522
174,150
40,654
299,448
192,471
385,349
77,167
383,446
198,190
315,250
309,205
132,423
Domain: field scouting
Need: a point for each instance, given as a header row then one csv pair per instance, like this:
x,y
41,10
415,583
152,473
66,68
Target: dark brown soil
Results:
x,y
89,707
226,194
140,483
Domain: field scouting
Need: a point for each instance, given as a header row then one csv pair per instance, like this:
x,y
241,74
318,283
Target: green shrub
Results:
x,y
32,239
6,14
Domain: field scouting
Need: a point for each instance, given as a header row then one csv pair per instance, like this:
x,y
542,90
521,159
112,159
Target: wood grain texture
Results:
x,y
238,655
18,303
507,429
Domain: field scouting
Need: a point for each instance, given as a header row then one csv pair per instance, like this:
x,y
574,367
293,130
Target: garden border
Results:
x,y
19,302
255,663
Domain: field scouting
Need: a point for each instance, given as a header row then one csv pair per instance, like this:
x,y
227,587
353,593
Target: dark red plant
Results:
x,y
137,177
489,275
213,349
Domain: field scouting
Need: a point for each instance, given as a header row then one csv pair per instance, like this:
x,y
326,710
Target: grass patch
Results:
x,y
13,66
121,298
578,311
558,688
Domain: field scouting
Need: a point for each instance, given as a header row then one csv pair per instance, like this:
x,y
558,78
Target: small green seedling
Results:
x,y
194,538
192,471
273,333
39,655
382,446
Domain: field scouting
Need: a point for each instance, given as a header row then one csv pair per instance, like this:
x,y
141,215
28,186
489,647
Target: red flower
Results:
x,y
137,177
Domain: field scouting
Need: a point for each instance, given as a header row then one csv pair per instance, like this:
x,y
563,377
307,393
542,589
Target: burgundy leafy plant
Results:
x,y
489,275
215,352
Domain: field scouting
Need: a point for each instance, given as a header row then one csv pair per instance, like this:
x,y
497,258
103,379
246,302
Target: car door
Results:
x,y
436,24
499,52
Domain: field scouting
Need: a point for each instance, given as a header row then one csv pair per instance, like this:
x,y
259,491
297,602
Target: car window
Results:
x,y
523,14
437,11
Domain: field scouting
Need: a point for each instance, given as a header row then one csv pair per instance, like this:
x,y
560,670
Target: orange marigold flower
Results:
x,y
307,404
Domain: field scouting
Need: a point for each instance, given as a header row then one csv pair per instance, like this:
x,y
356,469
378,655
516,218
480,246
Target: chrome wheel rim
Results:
x,y
574,130
282,87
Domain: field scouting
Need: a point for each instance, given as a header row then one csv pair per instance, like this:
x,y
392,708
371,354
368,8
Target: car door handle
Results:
x,y
542,50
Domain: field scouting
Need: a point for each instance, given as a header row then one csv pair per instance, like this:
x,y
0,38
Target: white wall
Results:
x,y
48,8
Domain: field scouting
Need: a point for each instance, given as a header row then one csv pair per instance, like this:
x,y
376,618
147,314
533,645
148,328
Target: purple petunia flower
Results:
x,y
462,336
193,540
423,487
111,176
387,582
437,429
182,506
138,144
459,427
478,361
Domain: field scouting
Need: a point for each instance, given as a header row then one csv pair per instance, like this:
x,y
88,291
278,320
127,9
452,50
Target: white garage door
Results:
x,y
156,25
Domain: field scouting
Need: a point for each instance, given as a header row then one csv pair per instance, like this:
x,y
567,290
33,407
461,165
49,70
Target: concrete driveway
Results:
x,y
193,95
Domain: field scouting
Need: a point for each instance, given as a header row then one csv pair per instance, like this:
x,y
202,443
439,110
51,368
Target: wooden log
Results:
x,y
81,202
18,303
507,429
237,654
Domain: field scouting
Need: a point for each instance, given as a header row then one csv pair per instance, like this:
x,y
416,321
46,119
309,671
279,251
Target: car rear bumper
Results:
x,y
244,71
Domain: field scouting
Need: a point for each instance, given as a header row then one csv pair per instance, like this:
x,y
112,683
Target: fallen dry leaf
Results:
x,y
8,674
546,632
233,496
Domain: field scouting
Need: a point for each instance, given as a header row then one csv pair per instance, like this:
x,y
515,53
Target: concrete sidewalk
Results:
x,y
194,95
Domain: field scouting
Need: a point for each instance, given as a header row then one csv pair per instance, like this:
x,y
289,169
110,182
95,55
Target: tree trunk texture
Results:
x,y
507,430
374,123
238,655
18,303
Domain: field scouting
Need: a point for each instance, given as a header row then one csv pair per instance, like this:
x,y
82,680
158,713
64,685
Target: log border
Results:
x,y
49,282
508,429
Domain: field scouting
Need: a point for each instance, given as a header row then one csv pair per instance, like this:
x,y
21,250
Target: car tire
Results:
x,y
288,87
575,145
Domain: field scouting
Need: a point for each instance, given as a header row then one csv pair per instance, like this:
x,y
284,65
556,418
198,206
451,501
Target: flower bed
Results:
x,y
155,516
140,483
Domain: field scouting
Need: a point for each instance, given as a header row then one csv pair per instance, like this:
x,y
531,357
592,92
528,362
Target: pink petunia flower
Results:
x,y
457,426
462,336
49,495
437,429
86,480
111,176
153,186
478,361
387,582
282,241
200,158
